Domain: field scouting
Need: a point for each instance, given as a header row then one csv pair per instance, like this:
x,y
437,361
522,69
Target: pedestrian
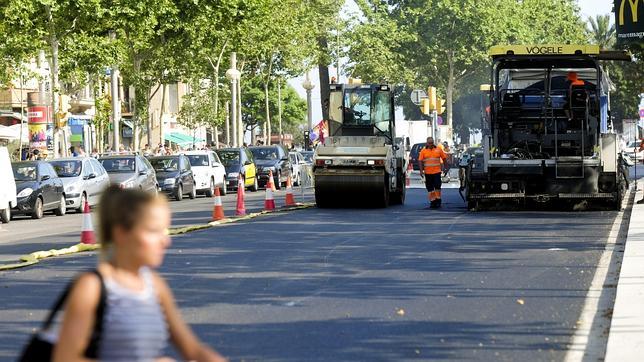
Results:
x,y
140,307
430,160
72,151
94,153
147,151
35,155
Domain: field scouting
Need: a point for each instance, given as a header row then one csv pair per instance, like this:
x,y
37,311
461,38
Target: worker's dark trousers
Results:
x,y
433,184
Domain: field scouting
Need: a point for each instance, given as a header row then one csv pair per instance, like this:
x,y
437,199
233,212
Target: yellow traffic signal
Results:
x,y
431,95
440,105
424,106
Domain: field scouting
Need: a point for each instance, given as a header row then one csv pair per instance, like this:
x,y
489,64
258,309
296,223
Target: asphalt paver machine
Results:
x,y
548,135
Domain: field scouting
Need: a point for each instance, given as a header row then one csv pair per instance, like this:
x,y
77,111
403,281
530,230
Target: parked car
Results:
x,y
239,161
208,172
299,167
84,180
308,156
271,158
7,186
414,153
130,171
632,150
174,175
39,189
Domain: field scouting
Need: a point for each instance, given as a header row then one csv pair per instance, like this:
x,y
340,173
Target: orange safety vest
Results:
x,y
432,159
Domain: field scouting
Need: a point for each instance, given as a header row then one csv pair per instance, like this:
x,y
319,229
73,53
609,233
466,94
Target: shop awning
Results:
x,y
182,139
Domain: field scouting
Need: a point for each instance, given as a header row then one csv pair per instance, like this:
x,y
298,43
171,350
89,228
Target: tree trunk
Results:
x,y
55,86
323,71
279,111
268,114
450,90
240,121
228,144
161,111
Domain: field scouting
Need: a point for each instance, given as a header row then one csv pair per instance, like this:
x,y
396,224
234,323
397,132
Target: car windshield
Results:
x,y
293,158
165,164
308,156
112,165
228,157
24,172
70,168
198,160
264,153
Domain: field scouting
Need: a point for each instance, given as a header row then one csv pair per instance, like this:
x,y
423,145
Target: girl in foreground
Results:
x,y
140,312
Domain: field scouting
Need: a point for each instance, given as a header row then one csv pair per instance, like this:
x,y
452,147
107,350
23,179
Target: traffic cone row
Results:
x,y
87,230
218,209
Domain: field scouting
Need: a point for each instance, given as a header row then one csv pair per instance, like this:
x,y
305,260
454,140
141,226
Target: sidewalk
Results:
x,y
626,337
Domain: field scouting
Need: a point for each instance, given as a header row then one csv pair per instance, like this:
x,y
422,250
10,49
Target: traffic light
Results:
x,y
440,105
425,106
431,95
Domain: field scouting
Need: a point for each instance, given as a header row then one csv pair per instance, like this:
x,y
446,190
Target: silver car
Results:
x,y
83,179
130,171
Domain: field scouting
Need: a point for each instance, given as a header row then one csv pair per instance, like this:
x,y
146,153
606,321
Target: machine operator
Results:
x,y
430,160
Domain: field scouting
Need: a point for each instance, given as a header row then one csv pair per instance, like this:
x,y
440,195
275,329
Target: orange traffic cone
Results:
x,y
290,200
270,181
218,210
241,209
87,231
269,201
410,169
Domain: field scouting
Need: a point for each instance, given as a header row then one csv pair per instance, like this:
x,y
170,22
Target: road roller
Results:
x,y
361,163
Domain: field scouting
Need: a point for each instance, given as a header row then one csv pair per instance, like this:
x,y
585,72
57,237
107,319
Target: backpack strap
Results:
x,y
92,347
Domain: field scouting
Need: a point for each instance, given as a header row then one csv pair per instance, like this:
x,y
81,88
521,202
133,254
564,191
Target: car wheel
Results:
x,y
83,200
255,186
211,189
179,193
62,207
224,188
38,210
193,193
278,181
5,215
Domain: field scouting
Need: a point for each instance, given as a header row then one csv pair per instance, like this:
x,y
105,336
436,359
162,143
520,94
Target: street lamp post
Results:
x,y
308,86
233,74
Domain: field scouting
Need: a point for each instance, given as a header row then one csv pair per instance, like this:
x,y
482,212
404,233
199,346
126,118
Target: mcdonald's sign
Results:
x,y
629,21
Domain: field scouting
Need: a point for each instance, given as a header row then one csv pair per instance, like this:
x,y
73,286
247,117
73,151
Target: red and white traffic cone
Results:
x,y
87,231
410,170
290,200
241,208
269,201
218,209
270,181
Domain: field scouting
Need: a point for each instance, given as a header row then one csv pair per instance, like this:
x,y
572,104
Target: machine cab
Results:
x,y
361,110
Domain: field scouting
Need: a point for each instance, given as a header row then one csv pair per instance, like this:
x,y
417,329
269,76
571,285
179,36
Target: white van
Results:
x,y
7,186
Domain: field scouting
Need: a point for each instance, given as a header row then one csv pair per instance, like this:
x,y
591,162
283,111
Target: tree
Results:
x,y
601,31
253,101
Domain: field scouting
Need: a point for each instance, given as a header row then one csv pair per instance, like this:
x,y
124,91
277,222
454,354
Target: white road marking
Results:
x,y
590,339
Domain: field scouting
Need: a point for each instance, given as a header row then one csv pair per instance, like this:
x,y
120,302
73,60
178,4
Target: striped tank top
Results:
x,y
134,326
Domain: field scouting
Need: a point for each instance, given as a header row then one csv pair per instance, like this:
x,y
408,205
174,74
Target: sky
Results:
x,y
587,7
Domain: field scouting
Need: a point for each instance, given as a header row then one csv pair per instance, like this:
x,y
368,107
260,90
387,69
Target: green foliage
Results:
x,y
253,100
601,31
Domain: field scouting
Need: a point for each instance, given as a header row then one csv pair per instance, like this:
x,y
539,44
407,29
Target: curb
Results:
x,y
626,334
36,256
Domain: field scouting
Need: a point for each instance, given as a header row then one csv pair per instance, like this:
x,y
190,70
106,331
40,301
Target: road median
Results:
x,y
36,256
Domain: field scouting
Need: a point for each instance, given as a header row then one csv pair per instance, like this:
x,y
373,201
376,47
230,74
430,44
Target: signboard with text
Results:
x,y
629,21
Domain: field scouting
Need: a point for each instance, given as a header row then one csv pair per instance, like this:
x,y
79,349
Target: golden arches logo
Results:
x,y
634,4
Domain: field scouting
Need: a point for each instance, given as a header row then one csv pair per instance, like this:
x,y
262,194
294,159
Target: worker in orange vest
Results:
x,y
430,161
